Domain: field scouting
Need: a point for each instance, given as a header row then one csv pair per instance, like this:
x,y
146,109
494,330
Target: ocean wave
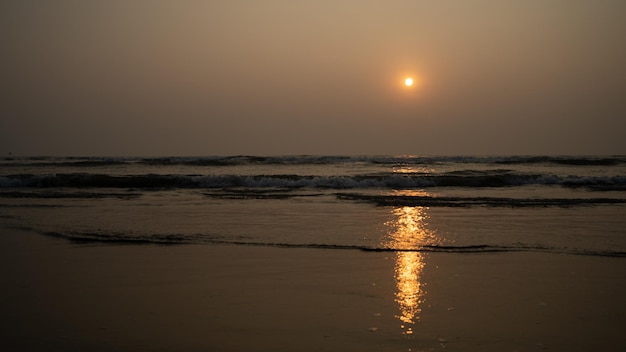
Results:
x,y
563,160
66,194
271,193
177,239
429,201
387,181
311,160
419,201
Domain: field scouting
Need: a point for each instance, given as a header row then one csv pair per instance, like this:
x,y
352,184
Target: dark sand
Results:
x,y
61,296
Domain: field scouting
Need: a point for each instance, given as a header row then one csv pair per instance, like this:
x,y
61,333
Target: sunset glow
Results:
x,y
220,78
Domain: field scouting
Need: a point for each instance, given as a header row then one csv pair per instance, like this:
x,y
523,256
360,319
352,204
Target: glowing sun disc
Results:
x,y
408,82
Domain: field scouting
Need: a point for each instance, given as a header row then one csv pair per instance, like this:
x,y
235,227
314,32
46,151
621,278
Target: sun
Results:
x,y
408,82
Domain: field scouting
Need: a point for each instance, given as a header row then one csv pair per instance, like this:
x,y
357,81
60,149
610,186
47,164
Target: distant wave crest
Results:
x,y
312,159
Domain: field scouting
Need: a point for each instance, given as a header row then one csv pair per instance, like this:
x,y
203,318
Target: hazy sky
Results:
x,y
312,77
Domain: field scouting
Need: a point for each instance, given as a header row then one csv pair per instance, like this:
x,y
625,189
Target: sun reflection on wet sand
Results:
x,y
410,293
408,232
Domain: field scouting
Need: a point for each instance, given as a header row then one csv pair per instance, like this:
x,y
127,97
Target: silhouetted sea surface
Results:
x,y
559,204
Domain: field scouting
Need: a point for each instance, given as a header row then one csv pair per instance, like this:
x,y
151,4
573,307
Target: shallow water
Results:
x,y
452,204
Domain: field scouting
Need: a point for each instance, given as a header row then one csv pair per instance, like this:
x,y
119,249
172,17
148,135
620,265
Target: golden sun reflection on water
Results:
x,y
408,231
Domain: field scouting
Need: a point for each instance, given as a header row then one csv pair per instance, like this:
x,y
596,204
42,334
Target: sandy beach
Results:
x,y
61,296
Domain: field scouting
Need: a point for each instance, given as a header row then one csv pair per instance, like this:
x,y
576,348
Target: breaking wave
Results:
x,y
429,201
502,178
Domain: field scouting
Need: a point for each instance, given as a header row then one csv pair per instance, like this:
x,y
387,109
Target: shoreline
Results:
x,y
58,295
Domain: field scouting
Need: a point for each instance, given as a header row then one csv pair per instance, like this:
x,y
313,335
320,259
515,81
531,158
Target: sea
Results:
x,y
571,205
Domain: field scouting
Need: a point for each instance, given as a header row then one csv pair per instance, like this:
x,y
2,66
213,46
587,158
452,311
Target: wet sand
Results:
x,y
61,296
